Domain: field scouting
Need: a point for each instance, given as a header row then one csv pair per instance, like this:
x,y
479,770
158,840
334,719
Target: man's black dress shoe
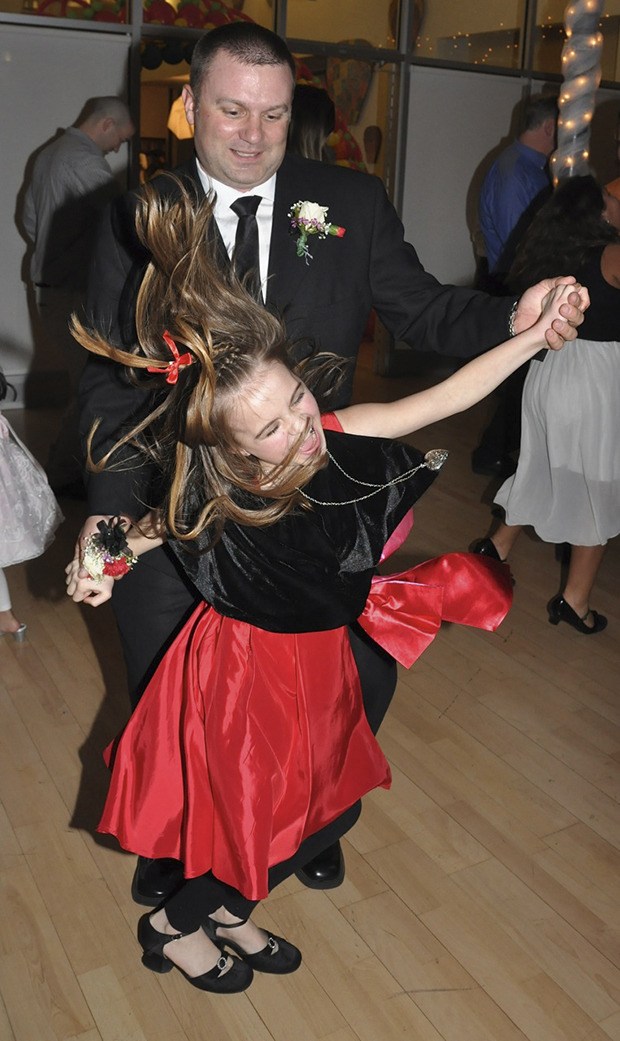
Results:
x,y
155,880
492,464
325,871
486,548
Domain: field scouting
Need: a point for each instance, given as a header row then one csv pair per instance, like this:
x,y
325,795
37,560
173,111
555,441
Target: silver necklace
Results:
x,y
433,460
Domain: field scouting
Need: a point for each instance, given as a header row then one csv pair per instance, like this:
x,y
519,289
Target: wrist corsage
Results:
x,y
308,218
106,551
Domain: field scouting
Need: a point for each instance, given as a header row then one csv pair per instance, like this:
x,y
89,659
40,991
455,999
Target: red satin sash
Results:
x,y
404,611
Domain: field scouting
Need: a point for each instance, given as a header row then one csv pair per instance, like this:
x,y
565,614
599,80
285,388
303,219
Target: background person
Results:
x,y
313,119
515,187
70,185
29,514
567,484
613,187
518,183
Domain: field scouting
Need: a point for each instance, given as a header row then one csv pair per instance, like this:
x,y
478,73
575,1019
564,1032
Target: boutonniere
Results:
x,y
308,218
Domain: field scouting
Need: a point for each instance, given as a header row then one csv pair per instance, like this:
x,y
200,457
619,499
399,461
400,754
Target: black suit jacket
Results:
x,y
326,300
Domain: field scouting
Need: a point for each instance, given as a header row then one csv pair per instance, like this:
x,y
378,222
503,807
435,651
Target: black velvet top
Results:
x,y
311,571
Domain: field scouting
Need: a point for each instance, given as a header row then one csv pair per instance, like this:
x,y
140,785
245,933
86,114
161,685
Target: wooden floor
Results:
x,y
482,897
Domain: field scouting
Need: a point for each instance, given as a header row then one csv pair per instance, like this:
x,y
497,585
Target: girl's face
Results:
x,y
272,414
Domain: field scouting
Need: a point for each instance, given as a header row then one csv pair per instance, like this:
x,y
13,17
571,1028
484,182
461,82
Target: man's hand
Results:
x,y
562,329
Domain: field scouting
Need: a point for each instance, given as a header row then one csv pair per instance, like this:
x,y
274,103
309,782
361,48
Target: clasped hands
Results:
x,y
572,310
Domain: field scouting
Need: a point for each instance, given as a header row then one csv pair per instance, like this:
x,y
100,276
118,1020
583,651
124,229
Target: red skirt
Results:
x,y
244,744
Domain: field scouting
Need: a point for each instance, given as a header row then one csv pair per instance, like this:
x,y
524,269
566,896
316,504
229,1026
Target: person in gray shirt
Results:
x,y
71,183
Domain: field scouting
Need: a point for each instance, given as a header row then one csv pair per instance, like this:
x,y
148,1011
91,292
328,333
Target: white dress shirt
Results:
x,y
227,220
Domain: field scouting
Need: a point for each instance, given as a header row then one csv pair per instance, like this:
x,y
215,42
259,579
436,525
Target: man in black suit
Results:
x,y
239,101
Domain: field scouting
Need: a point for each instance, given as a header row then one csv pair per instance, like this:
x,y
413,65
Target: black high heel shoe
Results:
x,y
221,979
277,956
560,611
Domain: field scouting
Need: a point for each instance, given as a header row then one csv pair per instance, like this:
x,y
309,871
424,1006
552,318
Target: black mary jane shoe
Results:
x,y
278,956
486,548
325,871
223,978
560,611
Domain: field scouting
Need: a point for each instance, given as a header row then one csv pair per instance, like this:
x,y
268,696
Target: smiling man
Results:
x,y
239,103
240,114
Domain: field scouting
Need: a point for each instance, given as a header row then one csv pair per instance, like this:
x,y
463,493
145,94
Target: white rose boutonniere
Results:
x,y
308,218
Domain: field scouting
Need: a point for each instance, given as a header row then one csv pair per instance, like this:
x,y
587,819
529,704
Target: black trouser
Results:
x,y
503,432
151,605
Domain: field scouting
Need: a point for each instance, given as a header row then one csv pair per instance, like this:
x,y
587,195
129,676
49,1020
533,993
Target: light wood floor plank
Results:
x,y
557,947
481,900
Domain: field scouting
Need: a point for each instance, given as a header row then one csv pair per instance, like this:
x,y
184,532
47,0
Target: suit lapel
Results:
x,y
189,172
287,271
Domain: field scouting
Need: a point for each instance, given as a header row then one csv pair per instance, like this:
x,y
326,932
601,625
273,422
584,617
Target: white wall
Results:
x,y
46,75
457,122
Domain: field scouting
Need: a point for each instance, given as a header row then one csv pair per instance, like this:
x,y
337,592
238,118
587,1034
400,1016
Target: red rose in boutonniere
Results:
x,y
308,218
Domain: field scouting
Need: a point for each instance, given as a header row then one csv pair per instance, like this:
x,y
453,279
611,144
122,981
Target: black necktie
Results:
x,y
245,254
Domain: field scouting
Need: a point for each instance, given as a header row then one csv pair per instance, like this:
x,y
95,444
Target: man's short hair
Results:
x,y
111,107
538,109
246,42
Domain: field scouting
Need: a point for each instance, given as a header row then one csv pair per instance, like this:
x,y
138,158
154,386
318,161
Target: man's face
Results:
x,y
115,134
240,120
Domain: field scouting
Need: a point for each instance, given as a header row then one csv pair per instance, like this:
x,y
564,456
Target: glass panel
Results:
x,y
260,11
198,14
365,95
88,10
488,32
371,21
550,38
165,135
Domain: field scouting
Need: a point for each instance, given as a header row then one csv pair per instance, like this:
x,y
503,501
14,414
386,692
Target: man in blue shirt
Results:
x,y
515,187
518,182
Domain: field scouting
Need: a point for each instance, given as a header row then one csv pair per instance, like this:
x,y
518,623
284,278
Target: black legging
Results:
x,y
191,905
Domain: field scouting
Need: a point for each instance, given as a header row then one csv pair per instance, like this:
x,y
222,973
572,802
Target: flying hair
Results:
x,y
228,339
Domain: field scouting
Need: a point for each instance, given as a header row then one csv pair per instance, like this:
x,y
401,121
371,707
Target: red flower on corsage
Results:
x,y
116,568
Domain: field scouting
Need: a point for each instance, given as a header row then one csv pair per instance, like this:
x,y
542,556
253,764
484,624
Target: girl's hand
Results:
x,y
565,325
556,301
83,589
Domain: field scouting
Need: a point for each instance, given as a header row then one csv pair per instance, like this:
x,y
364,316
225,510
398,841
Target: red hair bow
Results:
x,y
172,367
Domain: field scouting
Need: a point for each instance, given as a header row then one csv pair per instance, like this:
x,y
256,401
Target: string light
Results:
x,y
582,74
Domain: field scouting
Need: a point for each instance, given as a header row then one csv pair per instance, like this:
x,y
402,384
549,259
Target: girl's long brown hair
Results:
x,y
230,337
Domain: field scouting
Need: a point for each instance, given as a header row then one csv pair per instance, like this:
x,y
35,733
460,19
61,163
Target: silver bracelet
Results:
x,y
511,319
